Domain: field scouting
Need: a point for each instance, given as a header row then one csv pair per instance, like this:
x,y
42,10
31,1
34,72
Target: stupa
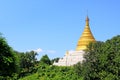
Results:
x,y
86,37
73,57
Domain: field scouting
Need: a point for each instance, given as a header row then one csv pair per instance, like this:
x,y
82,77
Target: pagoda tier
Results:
x,y
86,37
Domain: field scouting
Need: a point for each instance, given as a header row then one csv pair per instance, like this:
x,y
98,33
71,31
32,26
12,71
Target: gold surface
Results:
x,y
86,37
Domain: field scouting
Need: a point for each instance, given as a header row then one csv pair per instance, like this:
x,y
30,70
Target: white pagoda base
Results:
x,y
70,58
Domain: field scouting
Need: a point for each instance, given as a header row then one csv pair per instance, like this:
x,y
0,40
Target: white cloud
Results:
x,y
39,50
42,52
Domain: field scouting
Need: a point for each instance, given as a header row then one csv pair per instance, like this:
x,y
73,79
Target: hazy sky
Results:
x,y
54,26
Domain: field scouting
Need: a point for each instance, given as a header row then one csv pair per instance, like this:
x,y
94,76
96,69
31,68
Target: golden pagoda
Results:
x,y
86,37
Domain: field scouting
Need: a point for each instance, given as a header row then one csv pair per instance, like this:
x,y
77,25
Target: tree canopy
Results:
x,y
8,59
103,60
45,60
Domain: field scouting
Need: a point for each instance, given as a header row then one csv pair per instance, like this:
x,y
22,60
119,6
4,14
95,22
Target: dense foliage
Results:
x,y
50,72
103,60
57,73
55,60
28,63
8,60
46,72
45,60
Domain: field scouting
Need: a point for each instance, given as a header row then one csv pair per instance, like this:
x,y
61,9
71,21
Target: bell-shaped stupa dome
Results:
x,y
86,37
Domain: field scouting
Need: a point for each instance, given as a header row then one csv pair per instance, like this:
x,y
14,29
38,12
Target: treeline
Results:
x,y
102,62
13,64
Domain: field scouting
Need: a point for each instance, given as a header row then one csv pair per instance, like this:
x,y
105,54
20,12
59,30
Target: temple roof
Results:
x,y
86,37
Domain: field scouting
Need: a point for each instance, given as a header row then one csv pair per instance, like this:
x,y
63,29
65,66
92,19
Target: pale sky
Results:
x,y
54,26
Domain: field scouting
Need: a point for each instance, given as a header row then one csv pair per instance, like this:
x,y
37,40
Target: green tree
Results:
x,y
78,68
55,60
103,60
91,63
8,59
28,59
45,60
28,62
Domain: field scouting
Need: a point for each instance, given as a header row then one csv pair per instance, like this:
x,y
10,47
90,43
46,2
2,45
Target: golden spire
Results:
x,y
86,37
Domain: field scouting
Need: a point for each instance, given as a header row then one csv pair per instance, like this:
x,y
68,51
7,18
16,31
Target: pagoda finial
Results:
x,y
87,21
